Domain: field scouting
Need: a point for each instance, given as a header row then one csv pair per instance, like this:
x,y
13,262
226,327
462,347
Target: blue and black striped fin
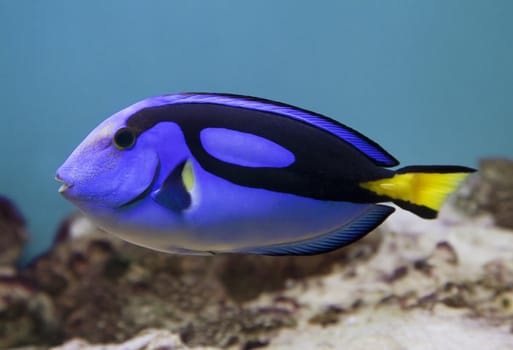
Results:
x,y
362,143
343,236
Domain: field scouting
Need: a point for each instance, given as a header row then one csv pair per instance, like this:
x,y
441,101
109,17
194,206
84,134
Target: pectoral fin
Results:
x,y
174,193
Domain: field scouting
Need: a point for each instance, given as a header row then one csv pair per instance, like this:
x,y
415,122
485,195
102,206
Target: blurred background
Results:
x,y
431,81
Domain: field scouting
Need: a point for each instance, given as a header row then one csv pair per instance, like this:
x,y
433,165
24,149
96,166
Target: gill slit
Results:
x,y
147,191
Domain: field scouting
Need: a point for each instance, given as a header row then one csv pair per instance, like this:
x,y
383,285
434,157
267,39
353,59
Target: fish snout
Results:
x,y
66,185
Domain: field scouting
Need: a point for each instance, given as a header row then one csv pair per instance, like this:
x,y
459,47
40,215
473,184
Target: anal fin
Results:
x,y
184,251
338,238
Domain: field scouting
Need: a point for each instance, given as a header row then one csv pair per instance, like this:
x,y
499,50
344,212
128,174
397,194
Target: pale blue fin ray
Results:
x,y
340,237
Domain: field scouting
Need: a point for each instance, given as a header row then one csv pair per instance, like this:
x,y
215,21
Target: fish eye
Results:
x,y
124,138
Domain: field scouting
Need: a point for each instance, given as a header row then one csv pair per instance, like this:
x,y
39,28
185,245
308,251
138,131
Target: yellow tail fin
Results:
x,y
420,189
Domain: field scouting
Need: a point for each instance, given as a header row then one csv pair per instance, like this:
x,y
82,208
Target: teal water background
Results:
x,y
431,81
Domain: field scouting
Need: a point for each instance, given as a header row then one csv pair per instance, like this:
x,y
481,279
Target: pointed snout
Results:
x,y
66,184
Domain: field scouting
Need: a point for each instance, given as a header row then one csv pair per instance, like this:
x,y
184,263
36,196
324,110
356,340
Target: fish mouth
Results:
x,y
65,186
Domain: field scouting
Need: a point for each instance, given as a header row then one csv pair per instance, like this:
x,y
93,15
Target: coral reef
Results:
x,y
102,289
490,191
107,290
447,288
151,339
26,314
12,233
411,284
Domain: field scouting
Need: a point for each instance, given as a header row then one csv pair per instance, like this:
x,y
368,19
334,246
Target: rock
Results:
x,y
374,341
245,277
106,290
151,339
12,233
27,316
412,284
489,191
446,287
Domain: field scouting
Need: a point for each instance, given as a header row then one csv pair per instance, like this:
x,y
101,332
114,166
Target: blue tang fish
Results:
x,y
205,173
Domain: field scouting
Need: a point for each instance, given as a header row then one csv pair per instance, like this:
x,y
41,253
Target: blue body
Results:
x,y
258,187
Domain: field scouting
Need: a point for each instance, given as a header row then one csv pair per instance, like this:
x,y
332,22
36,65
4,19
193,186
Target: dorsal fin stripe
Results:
x,y
360,142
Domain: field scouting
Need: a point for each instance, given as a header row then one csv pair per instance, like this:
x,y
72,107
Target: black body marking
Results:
x,y
326,167
440,169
